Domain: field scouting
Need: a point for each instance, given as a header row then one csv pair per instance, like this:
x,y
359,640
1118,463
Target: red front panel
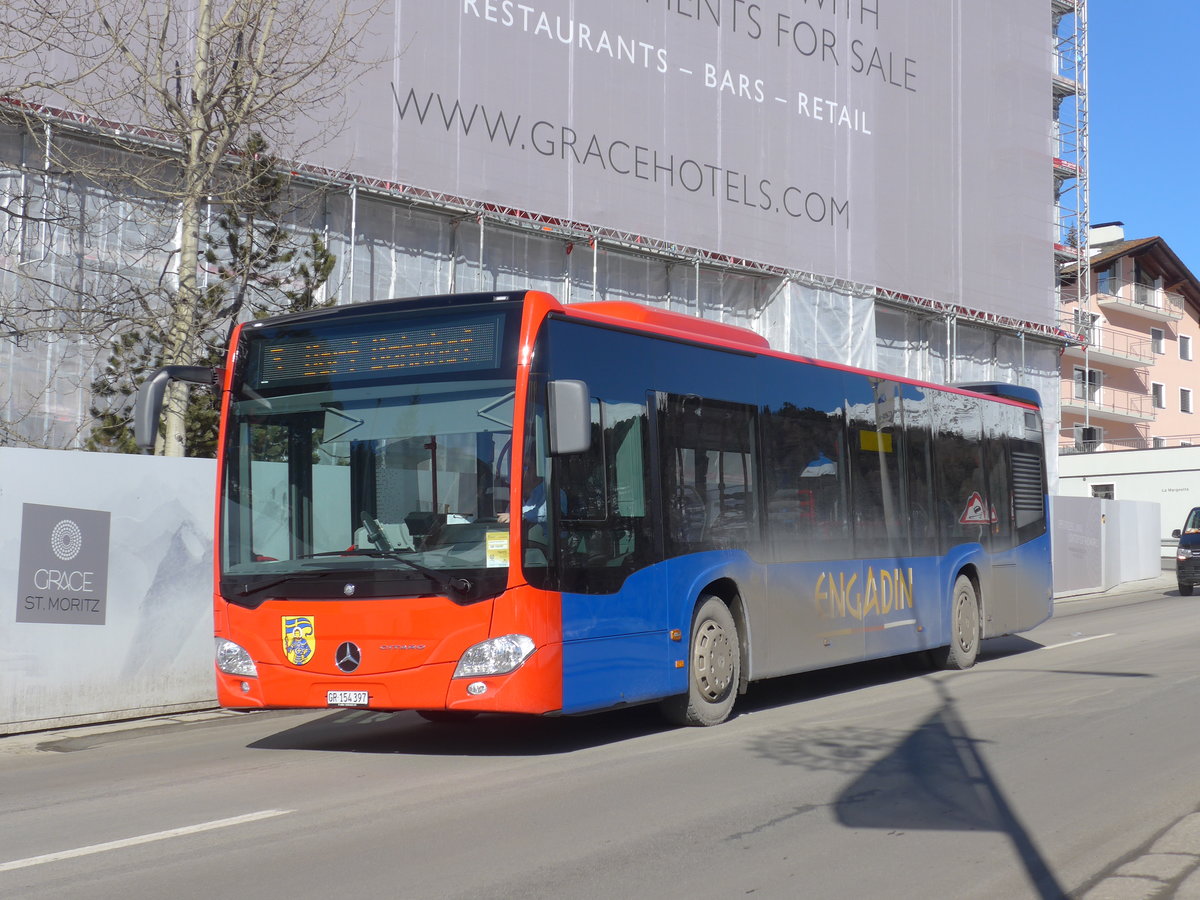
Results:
x,y
410,646
407,652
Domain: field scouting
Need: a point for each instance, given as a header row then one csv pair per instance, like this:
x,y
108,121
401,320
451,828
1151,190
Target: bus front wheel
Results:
x,y
714,668
965,628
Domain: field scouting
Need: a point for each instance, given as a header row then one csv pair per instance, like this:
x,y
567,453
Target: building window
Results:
x,y
1159,443
1087,384
1106,281
1185,347
1088,438
1156,340
1158,395
1104,491
1185,400
1085,324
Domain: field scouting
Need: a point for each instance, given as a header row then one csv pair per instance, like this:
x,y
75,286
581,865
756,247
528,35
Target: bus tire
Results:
x,y
714,668
965,628
1185,589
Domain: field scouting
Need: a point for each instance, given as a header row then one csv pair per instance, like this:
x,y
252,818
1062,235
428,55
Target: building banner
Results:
x,y
898,143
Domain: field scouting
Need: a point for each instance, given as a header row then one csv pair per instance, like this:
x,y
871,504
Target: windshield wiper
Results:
x,y
248,589
376,536
446,583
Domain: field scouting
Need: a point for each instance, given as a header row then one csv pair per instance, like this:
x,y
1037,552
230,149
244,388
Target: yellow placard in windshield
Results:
x,y
496,548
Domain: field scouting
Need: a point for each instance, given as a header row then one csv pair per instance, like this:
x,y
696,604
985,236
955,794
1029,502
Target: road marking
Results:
x,y
142,839
1082,640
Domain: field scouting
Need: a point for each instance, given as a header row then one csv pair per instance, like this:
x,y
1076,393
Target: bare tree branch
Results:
x,y
151,104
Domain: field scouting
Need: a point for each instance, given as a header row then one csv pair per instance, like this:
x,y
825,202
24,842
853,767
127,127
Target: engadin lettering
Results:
x,y
881,593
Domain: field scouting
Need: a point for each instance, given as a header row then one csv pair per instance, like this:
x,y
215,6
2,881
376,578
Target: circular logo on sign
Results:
x,y
66,539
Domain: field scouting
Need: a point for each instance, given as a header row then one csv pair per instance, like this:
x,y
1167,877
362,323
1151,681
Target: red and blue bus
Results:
x,y
499,503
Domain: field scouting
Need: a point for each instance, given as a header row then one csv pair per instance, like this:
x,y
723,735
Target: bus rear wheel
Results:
x,y
714,668
965,628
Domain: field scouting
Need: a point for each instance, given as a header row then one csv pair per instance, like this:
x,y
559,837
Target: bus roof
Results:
x,y
639,317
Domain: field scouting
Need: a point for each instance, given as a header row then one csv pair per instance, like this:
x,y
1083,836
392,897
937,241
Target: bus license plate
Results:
x,y
346,698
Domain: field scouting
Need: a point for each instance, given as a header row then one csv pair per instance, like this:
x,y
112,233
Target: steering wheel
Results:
x,y
375,532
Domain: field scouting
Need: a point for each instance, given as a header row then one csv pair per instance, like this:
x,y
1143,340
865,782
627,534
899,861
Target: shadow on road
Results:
x,y
404,733
934,777
364,731
945,784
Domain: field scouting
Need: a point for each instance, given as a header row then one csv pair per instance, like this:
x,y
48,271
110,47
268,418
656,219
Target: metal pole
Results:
x,y
353,233
479,277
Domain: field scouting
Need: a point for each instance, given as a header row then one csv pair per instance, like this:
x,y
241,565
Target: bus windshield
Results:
x,y
363,470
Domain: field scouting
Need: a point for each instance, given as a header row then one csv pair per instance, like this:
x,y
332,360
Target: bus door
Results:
x,y
884,604
1000,602
813,578
1016,491
600,545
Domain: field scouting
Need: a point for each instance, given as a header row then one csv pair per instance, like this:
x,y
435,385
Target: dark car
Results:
x,y
1187,556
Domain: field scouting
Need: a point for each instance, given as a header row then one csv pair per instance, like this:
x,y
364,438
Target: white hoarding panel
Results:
x,y
898,144
106,574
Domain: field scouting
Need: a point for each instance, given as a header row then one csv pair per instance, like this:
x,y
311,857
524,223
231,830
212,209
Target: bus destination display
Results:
x,y
453,345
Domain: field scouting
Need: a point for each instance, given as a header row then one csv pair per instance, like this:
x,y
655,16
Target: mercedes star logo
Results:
x,y
348,657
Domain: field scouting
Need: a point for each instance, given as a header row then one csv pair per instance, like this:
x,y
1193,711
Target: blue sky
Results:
x,y
1144,120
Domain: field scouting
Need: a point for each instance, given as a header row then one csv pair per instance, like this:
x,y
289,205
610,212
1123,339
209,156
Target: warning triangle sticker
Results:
x,y
976,512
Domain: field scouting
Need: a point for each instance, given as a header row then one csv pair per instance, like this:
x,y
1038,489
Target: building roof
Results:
x,y
1177,276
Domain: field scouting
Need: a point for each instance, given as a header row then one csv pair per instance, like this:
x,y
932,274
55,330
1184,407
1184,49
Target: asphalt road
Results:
x,y
1061,765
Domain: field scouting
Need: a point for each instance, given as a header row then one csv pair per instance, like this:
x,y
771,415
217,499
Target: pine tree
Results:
x,y
258,267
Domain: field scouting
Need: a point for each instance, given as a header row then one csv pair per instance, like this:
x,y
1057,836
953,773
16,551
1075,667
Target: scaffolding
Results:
x,y
745,288
1070,151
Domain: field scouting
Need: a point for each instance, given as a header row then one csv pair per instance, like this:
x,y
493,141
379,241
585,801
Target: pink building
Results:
x,y
1132,381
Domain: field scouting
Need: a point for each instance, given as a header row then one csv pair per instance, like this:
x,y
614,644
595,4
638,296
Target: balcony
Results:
x,y
1106,404
1071,447
1109,347
1143,300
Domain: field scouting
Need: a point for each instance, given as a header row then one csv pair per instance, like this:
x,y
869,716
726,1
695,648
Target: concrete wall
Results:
x,y
105,587
1099,544
1168,476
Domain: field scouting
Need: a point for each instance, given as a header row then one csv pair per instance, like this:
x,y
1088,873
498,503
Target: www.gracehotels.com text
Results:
x,y
622,158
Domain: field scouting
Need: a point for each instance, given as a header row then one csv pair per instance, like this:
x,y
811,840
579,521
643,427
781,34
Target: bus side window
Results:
x,y
805,483
606,531
999,421
958,466
918,470
709,474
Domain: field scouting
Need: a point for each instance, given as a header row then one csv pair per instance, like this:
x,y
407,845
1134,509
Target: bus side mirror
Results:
x,y
147,407
570,414
1175,533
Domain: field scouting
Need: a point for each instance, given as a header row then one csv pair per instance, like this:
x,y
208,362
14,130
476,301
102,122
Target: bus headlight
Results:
x,y
497,656
233,659
1183,553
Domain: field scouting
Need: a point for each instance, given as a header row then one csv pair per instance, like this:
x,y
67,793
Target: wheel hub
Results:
x,y
713,662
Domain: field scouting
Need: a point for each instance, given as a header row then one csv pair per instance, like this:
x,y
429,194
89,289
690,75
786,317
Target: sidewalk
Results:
x,y
1164,581
1168,866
